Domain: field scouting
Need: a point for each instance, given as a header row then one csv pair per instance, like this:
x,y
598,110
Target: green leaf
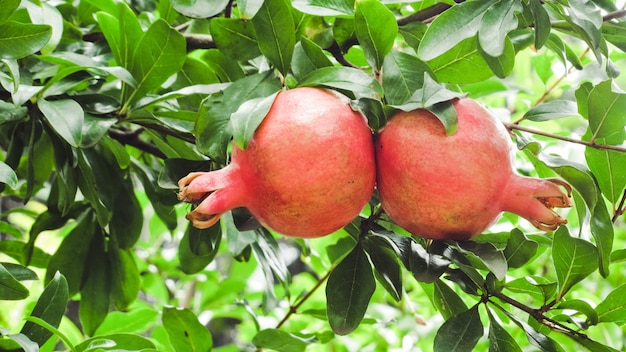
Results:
x,y
384,258
134,321
122,32
96,289
580,306
50,307
185,331
574,260
462,64
212,134
7,175
613,307
552,110
535,337
7,8
275,32
125,279
489,255
499,339
10,287
199,8
72,254
497,22
454,25
325,7
66,117
278,340
199,247
376,29
542,22
235,37
501,65
403,75
605,108
18,40
116,342
248,117
447,301
160,54
343,78
460,332
519,249
607,166
348,291
308,57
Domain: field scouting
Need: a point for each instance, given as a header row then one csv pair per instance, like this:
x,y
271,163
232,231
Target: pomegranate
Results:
x,y
308,170
454,187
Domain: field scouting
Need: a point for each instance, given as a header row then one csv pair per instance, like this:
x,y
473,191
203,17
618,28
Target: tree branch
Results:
x,y
615,148
294,308
132,138
426,14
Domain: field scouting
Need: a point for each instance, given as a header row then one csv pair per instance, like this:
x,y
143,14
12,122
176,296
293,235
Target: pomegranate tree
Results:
x,y
454,187
308,170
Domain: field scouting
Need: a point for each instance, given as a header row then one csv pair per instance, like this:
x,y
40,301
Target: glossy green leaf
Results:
x,y
376,29
199,8
348,291
613,307
198,248
18,40
72,254
343,78
50,307
456,24
7,8
448,302
574,260
160,54
519,249
10,287
580,306
307,57
122,32
116,342
413,33
211,130
127,215
541,341
373,110
96,289
235,38
66,117
325,7
185,331
10,112
248,117
384,258
502,65
133,321
497,22
460,332
7,175
605,108
17,341
542,22
551,110
607,166
493,258
403,75
462,64
615,33
583,181
274,28
125,278
278,340
499,339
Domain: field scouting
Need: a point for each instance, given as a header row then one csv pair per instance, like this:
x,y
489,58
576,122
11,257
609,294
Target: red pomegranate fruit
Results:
x,y
308,170
454,187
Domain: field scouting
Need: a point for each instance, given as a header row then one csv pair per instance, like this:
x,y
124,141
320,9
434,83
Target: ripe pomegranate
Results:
x,y
454,187
308,170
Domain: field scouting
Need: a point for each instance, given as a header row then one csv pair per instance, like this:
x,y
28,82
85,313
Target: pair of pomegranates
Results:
x,y
313,164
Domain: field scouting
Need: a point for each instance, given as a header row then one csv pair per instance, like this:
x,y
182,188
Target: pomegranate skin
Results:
x,y
308,170
454,187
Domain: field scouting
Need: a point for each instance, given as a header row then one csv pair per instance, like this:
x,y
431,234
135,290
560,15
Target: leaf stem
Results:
x,y
294,308
515,126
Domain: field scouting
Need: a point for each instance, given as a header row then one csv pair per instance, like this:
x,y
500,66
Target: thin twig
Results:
x,y
619,211
426,14
616,148
294,308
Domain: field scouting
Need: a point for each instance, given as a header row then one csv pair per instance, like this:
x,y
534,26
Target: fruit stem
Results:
x,y
534,199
